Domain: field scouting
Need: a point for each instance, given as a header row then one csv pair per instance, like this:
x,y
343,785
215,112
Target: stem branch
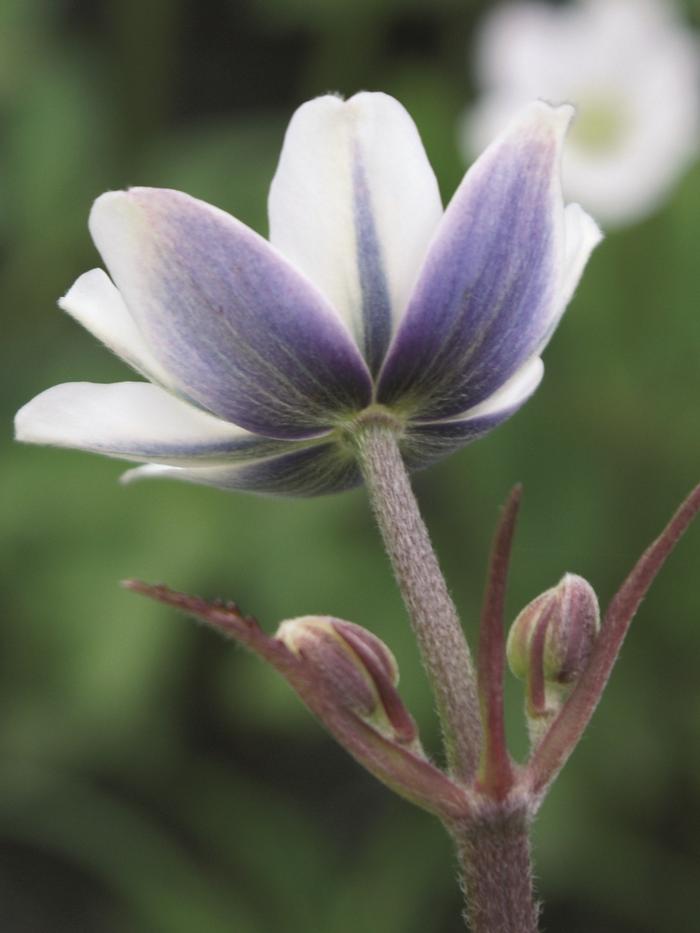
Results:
x,y
568,727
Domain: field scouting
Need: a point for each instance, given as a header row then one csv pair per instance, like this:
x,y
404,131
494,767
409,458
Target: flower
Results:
x,y
368,301
633,71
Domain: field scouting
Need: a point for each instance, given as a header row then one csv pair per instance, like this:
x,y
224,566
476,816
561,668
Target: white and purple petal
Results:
x,y
314,471
581,235
240,331
427,442
354,204
95,302
137,421
488,294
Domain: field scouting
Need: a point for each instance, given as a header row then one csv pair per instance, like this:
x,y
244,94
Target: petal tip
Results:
x,y
130,476
143,472
123,202
21,425
592,230
105,208
82,284
31,424
324,103
541,124
550,116
108,199
370,97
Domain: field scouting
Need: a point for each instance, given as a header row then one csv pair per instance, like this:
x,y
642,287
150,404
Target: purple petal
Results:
x,y
314,471
242,333
428,442
487,294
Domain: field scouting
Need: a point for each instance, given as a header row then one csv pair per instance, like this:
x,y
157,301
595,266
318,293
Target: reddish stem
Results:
x,y
403,769
495,771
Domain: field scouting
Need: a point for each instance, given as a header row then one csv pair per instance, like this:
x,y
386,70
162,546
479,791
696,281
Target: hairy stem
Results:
x,y
494,855
441,641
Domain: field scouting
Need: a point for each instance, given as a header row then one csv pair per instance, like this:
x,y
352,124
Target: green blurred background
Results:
x,y
152,777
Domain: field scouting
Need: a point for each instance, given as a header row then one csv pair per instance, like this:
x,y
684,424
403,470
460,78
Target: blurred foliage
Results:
x,y
154,778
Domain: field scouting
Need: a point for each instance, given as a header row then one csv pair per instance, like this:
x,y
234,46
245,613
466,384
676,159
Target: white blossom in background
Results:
x,y
631,68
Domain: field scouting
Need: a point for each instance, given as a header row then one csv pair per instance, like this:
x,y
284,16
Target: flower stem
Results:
x,y
441,641
494,855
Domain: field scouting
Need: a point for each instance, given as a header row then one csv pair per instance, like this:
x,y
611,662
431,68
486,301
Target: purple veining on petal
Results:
x,y
427,443
203,454
376,303
484,297
314,471
242,332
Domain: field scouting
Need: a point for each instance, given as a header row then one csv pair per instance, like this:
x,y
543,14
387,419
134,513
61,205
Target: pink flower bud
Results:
x,y
359,669
550,643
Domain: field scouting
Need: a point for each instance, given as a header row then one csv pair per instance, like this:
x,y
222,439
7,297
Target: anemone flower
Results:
x,y
368,301
631,68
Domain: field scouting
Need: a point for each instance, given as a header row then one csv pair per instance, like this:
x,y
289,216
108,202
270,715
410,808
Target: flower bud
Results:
x,y
550,643
359,669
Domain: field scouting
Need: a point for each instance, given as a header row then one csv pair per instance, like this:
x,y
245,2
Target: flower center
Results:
x,y
600,123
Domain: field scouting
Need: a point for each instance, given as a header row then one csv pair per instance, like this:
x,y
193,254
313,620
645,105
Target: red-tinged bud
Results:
x,y
550,643
359,668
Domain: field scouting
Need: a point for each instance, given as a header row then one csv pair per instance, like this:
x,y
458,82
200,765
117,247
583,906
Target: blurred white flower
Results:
x,y
632,69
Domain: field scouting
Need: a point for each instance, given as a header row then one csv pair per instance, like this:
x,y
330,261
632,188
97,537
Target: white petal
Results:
x,y
353,204
95,302
581,235
136,421
511,394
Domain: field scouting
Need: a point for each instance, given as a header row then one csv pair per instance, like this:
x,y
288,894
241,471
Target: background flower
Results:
x,y
631,67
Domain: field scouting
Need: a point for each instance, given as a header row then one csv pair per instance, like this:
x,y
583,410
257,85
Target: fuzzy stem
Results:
x,y
494,855
441,641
